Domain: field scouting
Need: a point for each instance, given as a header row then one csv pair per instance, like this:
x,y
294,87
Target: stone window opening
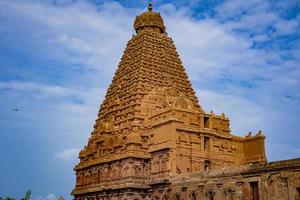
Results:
x,y
206,143
193,196
206,122
254,190
207,165
298,192
230,195
211,195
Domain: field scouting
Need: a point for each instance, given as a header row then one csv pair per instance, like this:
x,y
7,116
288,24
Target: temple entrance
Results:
x,y
254,191
211,196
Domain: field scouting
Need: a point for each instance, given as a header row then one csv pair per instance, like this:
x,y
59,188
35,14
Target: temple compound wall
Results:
x,y
152,139
273,181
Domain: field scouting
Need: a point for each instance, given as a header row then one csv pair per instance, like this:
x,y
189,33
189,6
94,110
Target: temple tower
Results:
x,y
150,127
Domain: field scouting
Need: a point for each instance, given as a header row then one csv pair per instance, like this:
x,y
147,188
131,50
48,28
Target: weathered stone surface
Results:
x,y
152,140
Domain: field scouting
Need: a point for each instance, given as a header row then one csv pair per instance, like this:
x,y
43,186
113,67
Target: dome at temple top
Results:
x,y
149,20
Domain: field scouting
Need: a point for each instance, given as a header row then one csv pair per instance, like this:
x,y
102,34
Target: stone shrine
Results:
x,y
152,139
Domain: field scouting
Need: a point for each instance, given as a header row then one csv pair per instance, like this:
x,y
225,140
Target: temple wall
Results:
x,y
254,150
267,182
274,181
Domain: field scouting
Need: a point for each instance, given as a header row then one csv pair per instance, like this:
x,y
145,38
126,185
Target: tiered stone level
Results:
x,y
152,139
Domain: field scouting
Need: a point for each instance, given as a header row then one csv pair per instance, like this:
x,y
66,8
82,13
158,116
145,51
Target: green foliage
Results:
x,y
9,198
26,197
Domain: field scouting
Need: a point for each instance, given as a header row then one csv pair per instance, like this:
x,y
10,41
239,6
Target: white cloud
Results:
x,y
67,154
49,196
76,33
285,27
43,92
258,16
39,89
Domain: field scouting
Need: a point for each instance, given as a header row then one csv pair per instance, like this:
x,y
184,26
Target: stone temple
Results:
x,y
152,139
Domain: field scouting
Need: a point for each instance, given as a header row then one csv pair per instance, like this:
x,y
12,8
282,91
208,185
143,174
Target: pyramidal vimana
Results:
x,y
152,139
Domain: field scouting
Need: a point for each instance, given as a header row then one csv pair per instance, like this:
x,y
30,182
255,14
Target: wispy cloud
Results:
x,y
50,196
67,154
39,89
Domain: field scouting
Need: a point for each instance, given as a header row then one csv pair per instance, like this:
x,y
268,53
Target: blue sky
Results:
x,y
57,57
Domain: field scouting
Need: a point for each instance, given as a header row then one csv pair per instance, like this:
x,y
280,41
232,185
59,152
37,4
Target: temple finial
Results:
x,y
150,6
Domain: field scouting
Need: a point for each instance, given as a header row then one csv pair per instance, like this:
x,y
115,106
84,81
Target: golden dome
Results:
x,y
149,20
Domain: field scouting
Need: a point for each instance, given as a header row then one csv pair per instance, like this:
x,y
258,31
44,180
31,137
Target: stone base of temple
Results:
x,y
274,181
116,194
